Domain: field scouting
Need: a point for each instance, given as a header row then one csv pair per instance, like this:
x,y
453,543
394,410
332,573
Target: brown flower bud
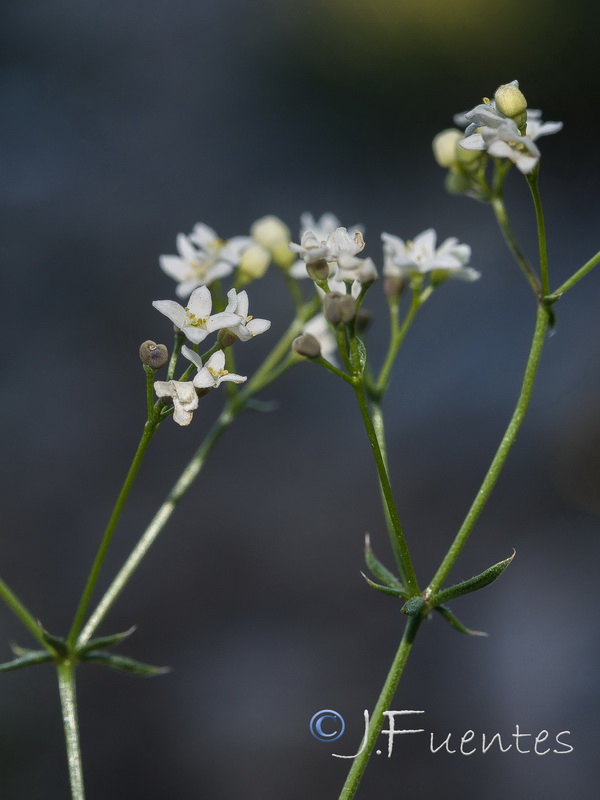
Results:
x,y
153,355
306,345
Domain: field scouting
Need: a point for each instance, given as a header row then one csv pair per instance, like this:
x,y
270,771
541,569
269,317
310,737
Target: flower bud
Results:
x,y
318,270
307,345
270,231
226,338
445,145
393,286
153,355
510,100
363,320
254,263
339,308
457,182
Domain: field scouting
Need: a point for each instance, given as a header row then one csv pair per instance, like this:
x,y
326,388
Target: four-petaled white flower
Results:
x,y
195,320
402,258
213,373
247,326
183,394
203,258
323,241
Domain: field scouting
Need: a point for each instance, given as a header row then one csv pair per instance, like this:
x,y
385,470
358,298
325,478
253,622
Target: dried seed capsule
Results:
x,y
153,355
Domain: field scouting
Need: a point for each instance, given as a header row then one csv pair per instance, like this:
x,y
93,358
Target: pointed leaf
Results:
x,y
456,623
384,589
105,641
473,584
379,570
27,660
362,355
58,644
123,663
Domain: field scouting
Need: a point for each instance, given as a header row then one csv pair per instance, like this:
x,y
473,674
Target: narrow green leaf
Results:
x,y
472,585
379,570
262,406
384,589
456,623
58,644
123,663
362,355
105,641
29,659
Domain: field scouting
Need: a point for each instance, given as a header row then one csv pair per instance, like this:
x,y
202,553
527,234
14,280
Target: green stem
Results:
x,y
68,702
383,704
541,327
149,429
405,566
398,335
502,219
577,276
532,180
158,522
26,617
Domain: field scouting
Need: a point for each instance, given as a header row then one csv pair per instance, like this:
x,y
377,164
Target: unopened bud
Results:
x,y
339,308
510,100
270,231
318,270
254,263
153,355
363,319
444,146
307,345
457,182
393,286
226,338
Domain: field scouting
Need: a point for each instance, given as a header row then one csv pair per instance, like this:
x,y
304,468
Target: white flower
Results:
x,y
213,373
183,394
195,320
324,238
203,258
402,259
247,326
324,226
537,128
505,141
310,248
352,268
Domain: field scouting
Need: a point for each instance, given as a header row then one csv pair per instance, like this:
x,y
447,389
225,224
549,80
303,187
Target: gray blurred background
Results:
x,y
127,122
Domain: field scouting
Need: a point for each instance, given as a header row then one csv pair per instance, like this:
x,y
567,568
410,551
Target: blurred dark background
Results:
x,y
127,122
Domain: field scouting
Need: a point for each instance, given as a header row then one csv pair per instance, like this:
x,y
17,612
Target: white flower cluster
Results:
x,y
196,321
489,128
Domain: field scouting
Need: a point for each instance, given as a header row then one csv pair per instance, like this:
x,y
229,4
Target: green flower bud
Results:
x,y
270,231
307,346
339,308
393,287
445,146
510,100
254,263
153,355
226,338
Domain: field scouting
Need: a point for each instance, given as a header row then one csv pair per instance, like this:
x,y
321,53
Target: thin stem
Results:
x,y
26,617
502,219
405,566
532,180
378,427
577,276
383,704
158,522
539,335
68,702
398,335
149,429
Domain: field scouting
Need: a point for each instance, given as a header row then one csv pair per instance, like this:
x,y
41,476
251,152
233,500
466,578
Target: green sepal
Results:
x,y
455,623
59,645
384,589
28,659
472,585
414,606
105,641
123,663
381,572
361,351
